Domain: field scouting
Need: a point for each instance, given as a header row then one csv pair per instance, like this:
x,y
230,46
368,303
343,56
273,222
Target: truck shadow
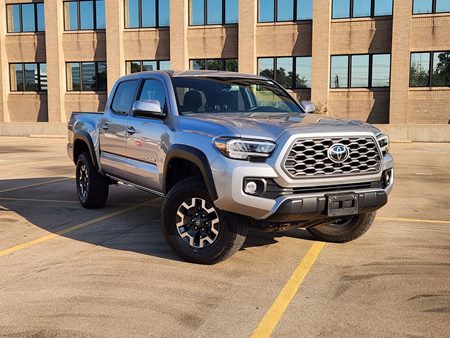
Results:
x,y
53,207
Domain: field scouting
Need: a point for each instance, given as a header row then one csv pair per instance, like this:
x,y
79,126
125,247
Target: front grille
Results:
x,y
308,157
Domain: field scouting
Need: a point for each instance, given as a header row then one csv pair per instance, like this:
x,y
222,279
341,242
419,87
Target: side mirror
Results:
x,y
148,108
308,107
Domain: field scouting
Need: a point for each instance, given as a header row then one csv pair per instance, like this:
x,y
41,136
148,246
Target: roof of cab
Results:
x,y
195,73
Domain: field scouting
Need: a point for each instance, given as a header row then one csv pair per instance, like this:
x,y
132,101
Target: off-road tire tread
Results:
x,y
98,185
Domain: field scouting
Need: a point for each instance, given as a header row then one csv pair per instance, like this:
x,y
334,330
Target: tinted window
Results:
x,y
86,15
441,69
381,69
164,65
423,6
124,97
164,13
265,67
214,12
215,64
197,12
231,65
442,6
40,17
30,77
284,72
154,90
339,72
149,65
28,23
304,9
73,77
13,13
303,72
266,10
132,13
86,76
148,13
361,8
71,16
101,77
341,9
360,71
419,73
231,11
285,10
383,7
100,14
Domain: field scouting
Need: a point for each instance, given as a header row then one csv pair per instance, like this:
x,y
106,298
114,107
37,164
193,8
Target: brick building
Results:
x,y
382,61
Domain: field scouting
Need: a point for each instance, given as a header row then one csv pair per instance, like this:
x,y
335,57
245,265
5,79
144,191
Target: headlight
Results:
x,y
383,141
242,149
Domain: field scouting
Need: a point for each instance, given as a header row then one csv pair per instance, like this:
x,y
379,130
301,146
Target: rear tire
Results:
x,y
195,229
344,230
92,187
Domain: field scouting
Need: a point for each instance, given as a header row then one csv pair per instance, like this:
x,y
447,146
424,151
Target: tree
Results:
x,y
441,71
418,77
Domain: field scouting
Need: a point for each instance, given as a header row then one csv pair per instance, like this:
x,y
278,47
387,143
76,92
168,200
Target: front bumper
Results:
x,y
310,208
300,206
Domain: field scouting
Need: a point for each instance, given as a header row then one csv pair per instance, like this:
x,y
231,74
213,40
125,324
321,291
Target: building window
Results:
x,y
147,13
284,10
28,77
229,65
343,9
360,71
430,69
84,15
291,72
213,12
146,65
431,6
26,17
86,76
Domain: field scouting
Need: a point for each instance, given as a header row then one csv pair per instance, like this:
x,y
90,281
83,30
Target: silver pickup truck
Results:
x,y
228,151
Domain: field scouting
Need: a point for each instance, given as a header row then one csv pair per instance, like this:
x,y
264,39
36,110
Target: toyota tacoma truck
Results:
x,y
227,151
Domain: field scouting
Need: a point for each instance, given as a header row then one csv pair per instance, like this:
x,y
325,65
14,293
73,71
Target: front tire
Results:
x,y
92,187
195,229
344,230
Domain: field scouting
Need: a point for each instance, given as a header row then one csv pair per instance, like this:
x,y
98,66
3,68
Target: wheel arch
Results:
x,y
194,156
82,141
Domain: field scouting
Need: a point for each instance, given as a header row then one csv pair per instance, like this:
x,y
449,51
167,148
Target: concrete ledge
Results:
x,y
397,132
33,128
416,132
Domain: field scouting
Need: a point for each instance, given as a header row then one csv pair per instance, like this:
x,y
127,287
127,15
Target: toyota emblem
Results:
x,y
338,153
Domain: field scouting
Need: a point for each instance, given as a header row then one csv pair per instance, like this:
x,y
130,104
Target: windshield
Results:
x,y
231,95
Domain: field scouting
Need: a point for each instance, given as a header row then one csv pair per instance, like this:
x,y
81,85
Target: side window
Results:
x,y
124,97
154,90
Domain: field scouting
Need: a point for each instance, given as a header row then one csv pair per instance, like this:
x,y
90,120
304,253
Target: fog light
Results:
x,y
251,188
387,177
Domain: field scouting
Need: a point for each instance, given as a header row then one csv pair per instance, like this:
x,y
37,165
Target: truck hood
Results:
x,y
271,126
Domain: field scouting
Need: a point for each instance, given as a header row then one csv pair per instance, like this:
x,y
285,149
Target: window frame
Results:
x,y
433,10
205,16
81,77
94,16
36,24
38,64
370,72
141,62
275,13
223,61
294,69
136,91
157,25
430,68
372,12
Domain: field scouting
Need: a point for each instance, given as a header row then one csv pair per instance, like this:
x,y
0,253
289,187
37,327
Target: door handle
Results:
x,y
131,131
105,127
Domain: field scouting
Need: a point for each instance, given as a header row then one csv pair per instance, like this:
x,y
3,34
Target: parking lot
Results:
x,y
68,271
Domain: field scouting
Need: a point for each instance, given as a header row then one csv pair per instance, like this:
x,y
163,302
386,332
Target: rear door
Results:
x,y
145,140
113,129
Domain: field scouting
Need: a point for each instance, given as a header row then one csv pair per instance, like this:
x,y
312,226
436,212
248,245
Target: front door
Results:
x,y
145,139
113,129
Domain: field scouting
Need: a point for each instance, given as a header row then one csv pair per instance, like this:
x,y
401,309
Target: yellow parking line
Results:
x,y
36,184
414,220
67,230
279,306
